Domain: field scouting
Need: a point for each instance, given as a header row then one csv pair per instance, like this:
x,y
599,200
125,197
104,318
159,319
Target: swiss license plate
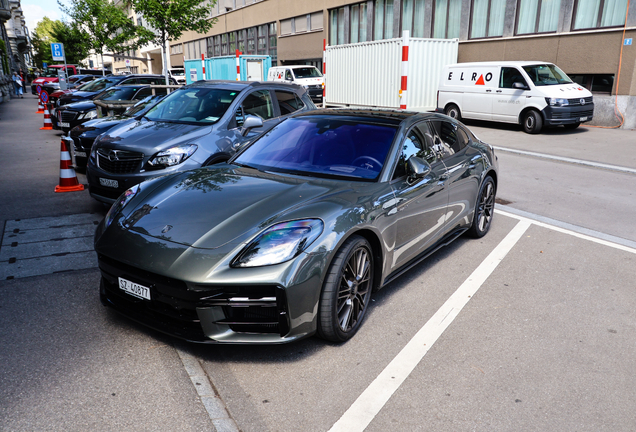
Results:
x,y
134,289
81,154
583,119
64,124
108,182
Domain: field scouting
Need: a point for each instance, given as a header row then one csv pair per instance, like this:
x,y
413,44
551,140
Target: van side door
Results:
x,y
479,85
509,101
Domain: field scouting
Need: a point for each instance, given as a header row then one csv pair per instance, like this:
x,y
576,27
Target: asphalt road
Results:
x,y
530,328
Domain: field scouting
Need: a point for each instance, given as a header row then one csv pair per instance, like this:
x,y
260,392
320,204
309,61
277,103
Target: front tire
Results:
x,y
346,292
452,111
532,122
484,209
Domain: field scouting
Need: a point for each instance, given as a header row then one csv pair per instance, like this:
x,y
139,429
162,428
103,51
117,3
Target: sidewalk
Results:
x,y
607,146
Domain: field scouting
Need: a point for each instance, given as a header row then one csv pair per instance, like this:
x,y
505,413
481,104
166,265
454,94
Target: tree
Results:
x,y
48,31
169,19
106,26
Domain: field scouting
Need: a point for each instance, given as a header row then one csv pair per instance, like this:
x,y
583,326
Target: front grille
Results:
x,y
67,116
572,114
315,86
119,161
577,101
244,309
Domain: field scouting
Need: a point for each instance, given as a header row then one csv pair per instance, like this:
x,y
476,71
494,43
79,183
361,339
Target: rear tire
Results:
x,y
452,111
484,209
346,292
532,122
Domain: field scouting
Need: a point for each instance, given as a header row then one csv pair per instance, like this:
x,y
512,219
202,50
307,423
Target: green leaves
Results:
x,y
76,44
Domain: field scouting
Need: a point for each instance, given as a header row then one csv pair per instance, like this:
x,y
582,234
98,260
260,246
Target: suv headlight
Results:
x,y
557,101
172,156
279,243
88,115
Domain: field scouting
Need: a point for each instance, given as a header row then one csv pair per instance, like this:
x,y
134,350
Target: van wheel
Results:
x,y
572,126
452,111
532,122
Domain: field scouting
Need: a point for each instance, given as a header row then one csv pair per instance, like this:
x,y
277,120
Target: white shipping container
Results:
x,y
369,74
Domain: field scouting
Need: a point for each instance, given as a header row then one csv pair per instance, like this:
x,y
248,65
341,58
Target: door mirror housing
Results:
x,y
417,168
520,86
251,122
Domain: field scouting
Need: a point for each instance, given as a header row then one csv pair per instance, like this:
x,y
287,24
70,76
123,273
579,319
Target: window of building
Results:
x,y
538,16
599,13
596,83
383,23
447,15
316,21
176,49
487,18
358,26
232,38
251,40
273,43
262,39
337,27
301,24
413,17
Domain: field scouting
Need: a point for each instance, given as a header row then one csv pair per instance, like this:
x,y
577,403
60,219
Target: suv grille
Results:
x,y
66,116
119,161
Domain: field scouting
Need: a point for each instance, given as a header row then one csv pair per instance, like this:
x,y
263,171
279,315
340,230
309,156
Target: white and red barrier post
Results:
x,y
324,72
238,66
405,69
203,64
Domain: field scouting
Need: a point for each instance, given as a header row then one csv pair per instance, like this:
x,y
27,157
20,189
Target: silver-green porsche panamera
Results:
x,y
292,235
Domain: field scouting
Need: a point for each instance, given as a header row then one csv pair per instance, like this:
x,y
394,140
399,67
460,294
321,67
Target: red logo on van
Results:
x,y
480,81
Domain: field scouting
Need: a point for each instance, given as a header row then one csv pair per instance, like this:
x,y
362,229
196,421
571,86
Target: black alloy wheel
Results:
x,y
347,291
484,209
452,111
532,122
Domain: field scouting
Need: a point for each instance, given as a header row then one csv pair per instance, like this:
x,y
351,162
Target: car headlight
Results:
x,y
279,243
557,101
172,156
120,204
88,115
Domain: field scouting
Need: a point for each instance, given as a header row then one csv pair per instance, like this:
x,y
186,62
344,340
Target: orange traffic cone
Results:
x,y
47,120
40,107
68,178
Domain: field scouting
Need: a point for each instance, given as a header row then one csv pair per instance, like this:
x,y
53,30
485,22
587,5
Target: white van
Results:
x,y
178,73
531,93
304,75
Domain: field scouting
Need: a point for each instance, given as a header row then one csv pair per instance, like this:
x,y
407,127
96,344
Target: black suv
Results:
x,y
197,125
91,90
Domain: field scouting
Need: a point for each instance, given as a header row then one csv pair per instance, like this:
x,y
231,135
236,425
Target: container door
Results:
x,y
254,70
509,101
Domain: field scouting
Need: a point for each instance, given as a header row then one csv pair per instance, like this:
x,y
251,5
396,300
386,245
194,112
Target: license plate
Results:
x,y
64,124
82,154
583,119
134,289
109,183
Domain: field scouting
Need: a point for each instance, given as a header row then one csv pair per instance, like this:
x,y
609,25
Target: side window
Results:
x,y
259,103
288,102
288,75
449,138
144,92
147,80
509,76
129,81
416,143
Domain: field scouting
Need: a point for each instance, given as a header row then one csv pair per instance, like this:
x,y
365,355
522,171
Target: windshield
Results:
x,y
546,74
118,94
307,72
74,78
193,105
142,105
99,84
177,72
50,72
322,146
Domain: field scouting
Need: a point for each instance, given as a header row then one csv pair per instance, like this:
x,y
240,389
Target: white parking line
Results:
x,y
371,401
568,160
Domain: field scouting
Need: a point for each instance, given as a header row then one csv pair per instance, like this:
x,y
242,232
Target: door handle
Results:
x,y
498,91
488,91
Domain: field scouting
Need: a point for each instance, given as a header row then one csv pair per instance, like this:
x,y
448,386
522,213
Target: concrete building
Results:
x,y
591,40
15,51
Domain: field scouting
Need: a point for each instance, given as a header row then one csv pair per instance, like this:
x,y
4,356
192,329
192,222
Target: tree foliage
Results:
x,y
169,19
106,26
48,31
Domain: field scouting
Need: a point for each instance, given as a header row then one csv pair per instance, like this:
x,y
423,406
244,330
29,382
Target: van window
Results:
x,y
288,75
509,76
288,102
546,74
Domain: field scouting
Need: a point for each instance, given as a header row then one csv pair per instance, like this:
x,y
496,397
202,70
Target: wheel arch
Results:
x,y
376,248
525,110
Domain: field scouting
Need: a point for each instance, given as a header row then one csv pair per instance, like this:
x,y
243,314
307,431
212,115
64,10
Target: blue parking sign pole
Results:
x,y
57,51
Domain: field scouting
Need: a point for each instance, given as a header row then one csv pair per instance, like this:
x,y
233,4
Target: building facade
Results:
x,y
15,53
591,40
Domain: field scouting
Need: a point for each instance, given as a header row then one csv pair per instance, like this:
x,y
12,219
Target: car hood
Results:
x,y
78,106
210,207
77,96
566,91
98,125
142,135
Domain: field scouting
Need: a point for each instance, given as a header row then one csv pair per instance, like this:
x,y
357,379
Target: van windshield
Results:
x,y
546,74
307,72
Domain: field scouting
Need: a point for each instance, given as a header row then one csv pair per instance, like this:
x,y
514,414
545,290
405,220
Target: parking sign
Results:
x,y
57,50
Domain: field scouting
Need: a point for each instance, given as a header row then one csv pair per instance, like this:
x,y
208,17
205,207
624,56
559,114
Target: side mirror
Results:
x,y
251,122
417,168
519,86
